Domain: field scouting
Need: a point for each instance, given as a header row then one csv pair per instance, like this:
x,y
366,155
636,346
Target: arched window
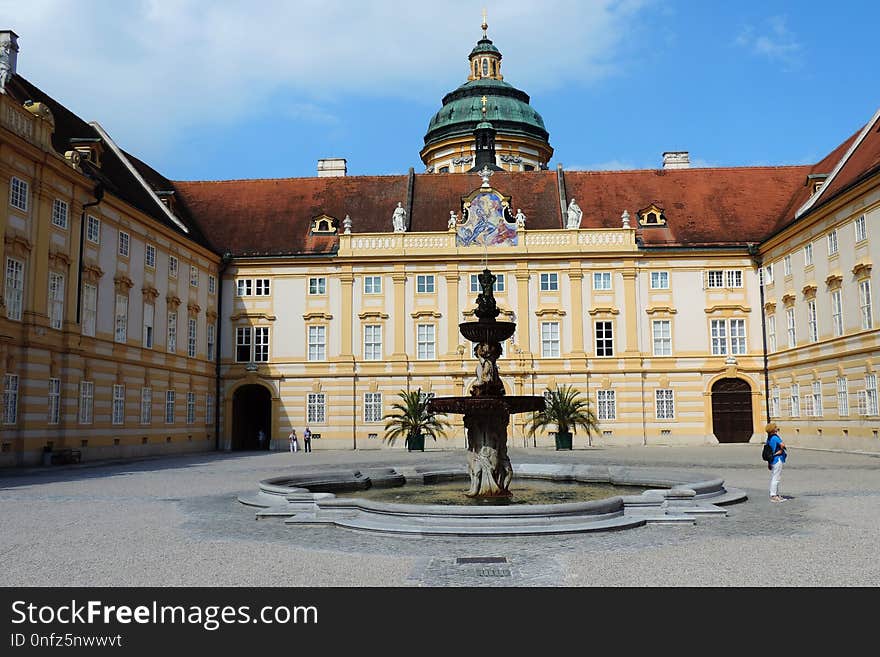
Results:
x,y
485,66
493,66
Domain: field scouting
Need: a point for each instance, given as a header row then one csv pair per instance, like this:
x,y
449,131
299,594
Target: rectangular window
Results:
x,y
243,343
715,278
425,346
786,265
54,408
261,344
14,288
93,230
659,280
737,336
808,254
818,410
865,303
837,313
317,343
604,339
550,339
89,309
10,399
372,407
315,408
812,321
86,398
734,278
601,280
190,408
832,242
59,213
768,274
718,333
193,276
124,244
789,318
425,283
149,314
665,404
209,409
244,287
173,266
373,342
498,286
861,229
262,289
372,285
549,282
771,333
172,332
56,300
210,341
118,416
169,407
146,405
121,325
150,257
795,396
317,285
662,333
606,405
871,393
191,337
842,396
18,194
212,284
774,402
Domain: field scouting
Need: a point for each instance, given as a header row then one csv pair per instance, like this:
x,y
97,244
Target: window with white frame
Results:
x,y
93,229
150,256
169,406
372,285
172,332
606,405
601,280
737,336
774,402
124,244
14,288
786,265
86,401
665,404
662,334
209,409
149,317
659,280
771,333
317,285
118,413
818,409
865,303
244,287
861,228
191,337
243,344
734,277
261,344
262,287
373,342
211,331
190,408
715,278
59,213
812,321
56,300
789,318
871,393
795,398
315,408
807,404
317,343
837,312
497,286
768,274
212,284
193,276
53,415
550,339
832,242
10,399
549,282
120,333
842,396
718,334
89,309
146,405
173,266
604,338
425,342
18,194
425,283
808,254
372,407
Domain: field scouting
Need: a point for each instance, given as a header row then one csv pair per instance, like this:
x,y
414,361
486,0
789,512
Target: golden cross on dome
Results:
x,y
485,25
484,100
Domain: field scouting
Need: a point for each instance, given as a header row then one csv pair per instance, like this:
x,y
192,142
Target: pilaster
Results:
x,y
631,313
522,312
399,278
576,277
453,313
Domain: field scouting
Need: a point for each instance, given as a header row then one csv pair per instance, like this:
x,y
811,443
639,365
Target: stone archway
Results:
x,y
251,412
732,411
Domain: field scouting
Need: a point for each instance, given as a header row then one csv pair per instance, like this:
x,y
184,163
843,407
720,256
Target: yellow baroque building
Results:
x,y
142,315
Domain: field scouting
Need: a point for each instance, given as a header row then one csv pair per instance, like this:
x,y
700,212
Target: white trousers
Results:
x,y
293,446
775,476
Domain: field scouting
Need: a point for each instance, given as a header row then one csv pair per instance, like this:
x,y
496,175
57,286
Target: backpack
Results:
x,y
767,452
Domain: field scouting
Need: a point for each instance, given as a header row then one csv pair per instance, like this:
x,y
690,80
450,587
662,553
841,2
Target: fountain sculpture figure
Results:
x,y
487,410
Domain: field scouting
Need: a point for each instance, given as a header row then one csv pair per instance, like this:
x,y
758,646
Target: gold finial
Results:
x,y
485,25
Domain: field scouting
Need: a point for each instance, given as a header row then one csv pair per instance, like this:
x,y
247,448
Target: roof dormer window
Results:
x,y
652,216
324,224
89,149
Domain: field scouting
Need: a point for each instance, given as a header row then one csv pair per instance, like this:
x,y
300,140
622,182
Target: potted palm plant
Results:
x,y
410,419
568,410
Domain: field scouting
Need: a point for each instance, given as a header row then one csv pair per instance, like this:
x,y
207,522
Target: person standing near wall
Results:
x,y
307,440
291,439
776,462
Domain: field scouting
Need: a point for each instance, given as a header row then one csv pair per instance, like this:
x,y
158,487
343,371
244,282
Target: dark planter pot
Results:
x,y
563,440
416,443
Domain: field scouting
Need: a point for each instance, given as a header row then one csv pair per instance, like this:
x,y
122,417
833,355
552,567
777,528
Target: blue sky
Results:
x,y
209,90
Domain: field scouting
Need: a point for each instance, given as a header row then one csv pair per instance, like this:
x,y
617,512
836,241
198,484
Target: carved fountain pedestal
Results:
x,y
487,411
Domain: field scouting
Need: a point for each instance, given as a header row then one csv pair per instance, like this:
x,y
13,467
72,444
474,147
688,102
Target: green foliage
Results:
x,y
411,417
567,410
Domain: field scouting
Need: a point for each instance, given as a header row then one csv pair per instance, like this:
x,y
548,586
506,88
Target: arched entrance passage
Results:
x,y
251,412
732,411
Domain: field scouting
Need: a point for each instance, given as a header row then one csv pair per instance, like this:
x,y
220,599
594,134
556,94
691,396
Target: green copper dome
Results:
x,y
484,45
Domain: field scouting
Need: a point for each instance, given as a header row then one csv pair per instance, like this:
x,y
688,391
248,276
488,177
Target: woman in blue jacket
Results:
x,y
776,462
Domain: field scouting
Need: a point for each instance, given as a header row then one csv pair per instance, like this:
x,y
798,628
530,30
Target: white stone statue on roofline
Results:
x,y
346,225
520,219
399,219
453,220
574,215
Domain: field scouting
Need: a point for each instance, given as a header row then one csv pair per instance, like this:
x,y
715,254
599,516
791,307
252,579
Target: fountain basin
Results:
x,y
487,332
462,405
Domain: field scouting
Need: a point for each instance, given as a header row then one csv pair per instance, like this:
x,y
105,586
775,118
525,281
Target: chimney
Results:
x,y
8,56
332,167
676,160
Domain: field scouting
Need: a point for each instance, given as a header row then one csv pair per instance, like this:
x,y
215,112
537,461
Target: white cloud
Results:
x,y
774,42
148,70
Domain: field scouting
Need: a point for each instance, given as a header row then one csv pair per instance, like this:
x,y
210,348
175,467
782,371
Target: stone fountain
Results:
x,y
487,410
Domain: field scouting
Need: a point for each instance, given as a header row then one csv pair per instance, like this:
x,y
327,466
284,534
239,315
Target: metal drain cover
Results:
x,y
493,572
481,560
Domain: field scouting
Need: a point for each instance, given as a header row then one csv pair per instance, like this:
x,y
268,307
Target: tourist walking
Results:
x,y
307,440
775,463
261,438
291,438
